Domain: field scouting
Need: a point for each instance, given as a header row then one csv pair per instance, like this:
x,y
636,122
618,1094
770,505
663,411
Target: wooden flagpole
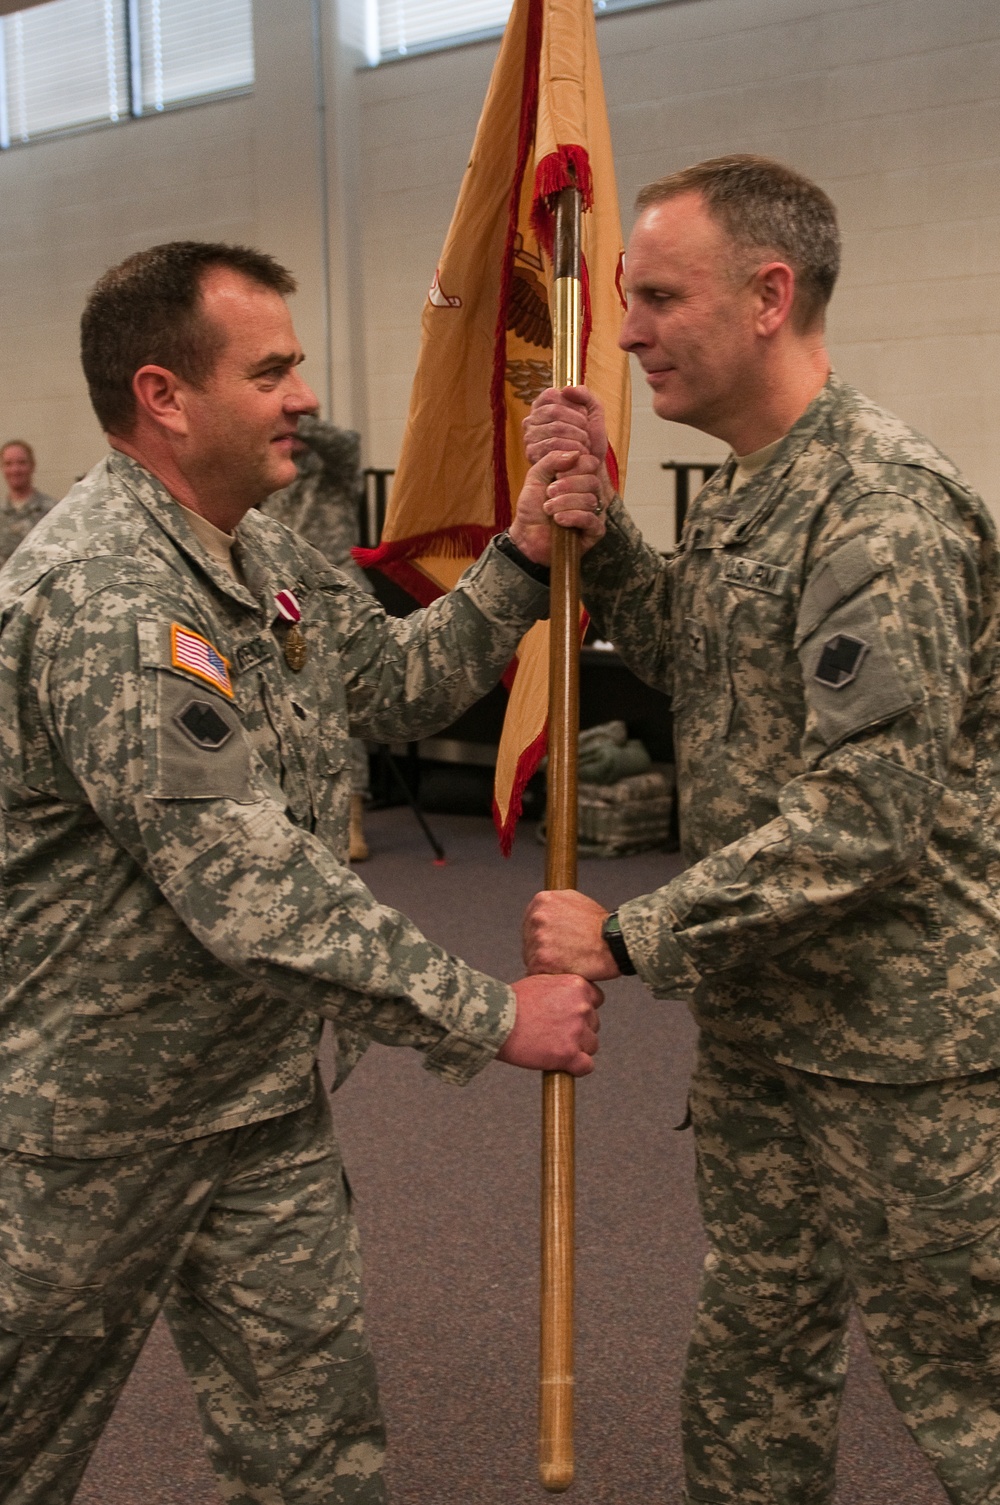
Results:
x,y
555,1432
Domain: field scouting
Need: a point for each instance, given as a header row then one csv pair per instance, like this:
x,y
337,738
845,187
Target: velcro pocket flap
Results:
x,y
840,576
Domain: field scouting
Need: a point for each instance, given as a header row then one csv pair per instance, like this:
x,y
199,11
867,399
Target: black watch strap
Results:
x,y
506,545
611,933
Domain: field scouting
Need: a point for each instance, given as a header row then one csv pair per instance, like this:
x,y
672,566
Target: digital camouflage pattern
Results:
x,y
815,1191
321,505
176,919
16,522
829,636
175,894
246,1241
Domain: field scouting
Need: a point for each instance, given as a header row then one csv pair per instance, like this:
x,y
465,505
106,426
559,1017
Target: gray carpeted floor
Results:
x,y
446,1185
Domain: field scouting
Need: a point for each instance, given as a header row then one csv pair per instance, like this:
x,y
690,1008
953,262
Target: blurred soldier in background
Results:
x,y
24,504
321,505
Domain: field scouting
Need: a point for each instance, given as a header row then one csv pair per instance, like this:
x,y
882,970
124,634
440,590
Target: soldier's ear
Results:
x,y
159,395
773,286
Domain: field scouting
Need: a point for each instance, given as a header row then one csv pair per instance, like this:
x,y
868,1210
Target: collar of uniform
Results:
x,y
171,517
254,553
710,510
754,501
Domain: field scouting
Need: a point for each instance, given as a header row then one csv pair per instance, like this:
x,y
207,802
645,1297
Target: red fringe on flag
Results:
x,y
526,766
569,167
527,763
466,541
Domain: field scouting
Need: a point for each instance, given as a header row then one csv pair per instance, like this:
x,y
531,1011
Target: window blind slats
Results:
x,y
191,48
404,24
77,62
392,28
65,65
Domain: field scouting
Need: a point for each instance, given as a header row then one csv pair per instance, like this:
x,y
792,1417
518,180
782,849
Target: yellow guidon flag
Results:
x,y
486,349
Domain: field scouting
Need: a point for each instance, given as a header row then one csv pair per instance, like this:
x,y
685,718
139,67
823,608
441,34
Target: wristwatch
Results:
x,y
506,545
611,934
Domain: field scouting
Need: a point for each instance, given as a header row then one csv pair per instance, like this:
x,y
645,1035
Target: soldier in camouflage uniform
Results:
x,y
827,627
24,505
179,677
321,505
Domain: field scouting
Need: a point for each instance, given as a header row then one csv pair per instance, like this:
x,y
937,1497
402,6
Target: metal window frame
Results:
x,y
4,110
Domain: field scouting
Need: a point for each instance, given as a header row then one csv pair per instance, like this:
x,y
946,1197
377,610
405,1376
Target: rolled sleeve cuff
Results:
x,y
458,1057
655,951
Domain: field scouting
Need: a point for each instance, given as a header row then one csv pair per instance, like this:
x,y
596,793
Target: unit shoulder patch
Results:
x,y
840,660
200,721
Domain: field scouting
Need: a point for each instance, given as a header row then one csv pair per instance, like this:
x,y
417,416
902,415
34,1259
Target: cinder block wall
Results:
x,y
74,206
893,105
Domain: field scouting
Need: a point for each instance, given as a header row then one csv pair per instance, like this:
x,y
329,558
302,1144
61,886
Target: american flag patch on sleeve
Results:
x,y
195,654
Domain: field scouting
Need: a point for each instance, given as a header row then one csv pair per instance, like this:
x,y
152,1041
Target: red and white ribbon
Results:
x,y
288,606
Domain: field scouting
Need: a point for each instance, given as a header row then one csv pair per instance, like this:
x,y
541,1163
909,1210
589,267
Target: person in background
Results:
x,y
25,505
321,505
828,628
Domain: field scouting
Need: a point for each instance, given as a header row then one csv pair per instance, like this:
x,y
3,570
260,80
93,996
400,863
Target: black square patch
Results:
x,y
840,660
203,724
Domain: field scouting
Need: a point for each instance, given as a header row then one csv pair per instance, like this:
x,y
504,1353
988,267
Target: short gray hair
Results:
x,y
762,205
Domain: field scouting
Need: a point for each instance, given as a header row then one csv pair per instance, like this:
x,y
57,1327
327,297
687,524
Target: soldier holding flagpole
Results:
x,y
828,627
179,677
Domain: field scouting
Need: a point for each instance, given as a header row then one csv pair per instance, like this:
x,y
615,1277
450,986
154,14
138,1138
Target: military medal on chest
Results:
x,y
295,642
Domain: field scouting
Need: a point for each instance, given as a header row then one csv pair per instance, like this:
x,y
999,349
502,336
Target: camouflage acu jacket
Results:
x,y
829,636
175,909
16,522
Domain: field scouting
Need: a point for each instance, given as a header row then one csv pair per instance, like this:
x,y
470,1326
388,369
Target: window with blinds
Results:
x,y
394,28
192,48
412,25
74,63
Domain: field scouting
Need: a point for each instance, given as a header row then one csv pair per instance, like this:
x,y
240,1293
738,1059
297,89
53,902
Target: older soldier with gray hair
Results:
x,y
827,626
179,676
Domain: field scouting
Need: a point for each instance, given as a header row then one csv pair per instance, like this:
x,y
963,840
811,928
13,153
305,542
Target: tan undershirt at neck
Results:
x,y
214,541
747,466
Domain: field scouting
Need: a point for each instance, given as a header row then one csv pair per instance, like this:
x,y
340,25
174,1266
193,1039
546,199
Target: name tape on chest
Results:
x,y
196,655
757,575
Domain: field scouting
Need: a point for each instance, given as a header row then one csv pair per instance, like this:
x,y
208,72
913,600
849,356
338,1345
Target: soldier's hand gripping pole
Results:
x,y
555,1431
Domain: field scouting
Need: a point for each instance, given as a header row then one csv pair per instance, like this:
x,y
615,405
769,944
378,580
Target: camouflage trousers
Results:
x,y
246,1241
817,1193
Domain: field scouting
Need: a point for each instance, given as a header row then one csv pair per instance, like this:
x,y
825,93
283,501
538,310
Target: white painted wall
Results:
x,y
892,105
72,207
